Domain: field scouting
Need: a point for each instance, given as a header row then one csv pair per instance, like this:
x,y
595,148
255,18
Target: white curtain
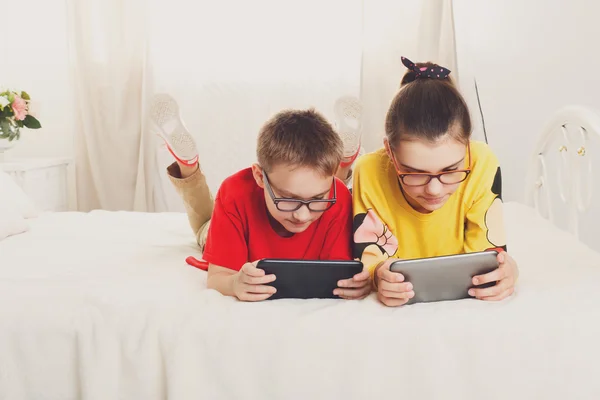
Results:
x,y
437,35
390,31
107,41
231,65
418,30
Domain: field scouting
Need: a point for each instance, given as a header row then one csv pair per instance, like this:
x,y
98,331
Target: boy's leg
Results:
x,y
185,172
190,184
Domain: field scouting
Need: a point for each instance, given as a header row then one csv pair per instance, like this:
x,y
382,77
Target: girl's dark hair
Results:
x,y
427,108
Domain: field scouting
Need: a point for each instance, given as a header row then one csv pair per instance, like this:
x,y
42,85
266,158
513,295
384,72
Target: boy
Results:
x,y
288,205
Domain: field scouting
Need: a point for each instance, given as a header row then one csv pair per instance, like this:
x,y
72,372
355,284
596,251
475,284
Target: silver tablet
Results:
x,y
446,277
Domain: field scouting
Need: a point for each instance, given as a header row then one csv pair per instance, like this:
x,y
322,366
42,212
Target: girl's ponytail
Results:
x,y
428,106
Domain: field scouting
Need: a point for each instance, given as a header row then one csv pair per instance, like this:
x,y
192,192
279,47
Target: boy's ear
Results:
x,y
257,172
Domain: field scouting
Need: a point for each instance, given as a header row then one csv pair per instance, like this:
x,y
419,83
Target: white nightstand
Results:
x,y
44,180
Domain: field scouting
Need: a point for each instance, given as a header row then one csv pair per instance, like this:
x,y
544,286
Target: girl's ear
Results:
x,y
386,144
390,153
257,173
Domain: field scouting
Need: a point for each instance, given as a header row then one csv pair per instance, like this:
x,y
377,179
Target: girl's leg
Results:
x,y
348,115
344,173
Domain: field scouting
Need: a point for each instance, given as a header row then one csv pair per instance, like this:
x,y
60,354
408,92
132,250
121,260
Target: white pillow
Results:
x,y
11,221
12,194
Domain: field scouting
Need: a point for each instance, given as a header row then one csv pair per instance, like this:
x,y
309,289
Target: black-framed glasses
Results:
x,y
422,178
289,205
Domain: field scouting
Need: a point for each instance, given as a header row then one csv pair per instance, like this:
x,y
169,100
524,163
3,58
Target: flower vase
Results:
x,y
14,115
6,145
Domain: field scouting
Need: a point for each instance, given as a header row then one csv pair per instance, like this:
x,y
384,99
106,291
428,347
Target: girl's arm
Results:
x,y
484,225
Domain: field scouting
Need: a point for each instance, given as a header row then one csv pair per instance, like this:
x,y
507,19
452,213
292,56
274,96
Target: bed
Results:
x,y
102,305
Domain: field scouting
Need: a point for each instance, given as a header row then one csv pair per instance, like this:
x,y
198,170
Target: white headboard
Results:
x,y
561,177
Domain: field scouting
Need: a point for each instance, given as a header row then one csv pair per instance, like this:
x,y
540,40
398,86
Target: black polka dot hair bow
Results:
x,y
436,72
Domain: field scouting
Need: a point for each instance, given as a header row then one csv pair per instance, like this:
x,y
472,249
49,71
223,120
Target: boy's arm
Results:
x,y
226,251
225,237
226,245
247,284
221,279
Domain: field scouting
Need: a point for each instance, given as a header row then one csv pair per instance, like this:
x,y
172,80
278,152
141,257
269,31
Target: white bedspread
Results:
x,y
103,306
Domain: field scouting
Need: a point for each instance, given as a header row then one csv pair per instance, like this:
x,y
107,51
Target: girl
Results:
x,y
431,191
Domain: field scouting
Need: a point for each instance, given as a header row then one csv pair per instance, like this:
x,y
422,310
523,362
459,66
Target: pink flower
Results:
x,y
19,107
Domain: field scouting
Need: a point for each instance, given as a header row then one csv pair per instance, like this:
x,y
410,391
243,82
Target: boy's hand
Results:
x,y
505,277
249,283
355,288
391,288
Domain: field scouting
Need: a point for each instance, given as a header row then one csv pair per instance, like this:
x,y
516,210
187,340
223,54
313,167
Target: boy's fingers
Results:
x,y
259,289
354,282
362,276
353,298
261,280
351,294
250,269
255,297
349,283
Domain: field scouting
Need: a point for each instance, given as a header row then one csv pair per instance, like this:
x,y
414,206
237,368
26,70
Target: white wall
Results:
x,y
530,59
527,66
391,30
34,58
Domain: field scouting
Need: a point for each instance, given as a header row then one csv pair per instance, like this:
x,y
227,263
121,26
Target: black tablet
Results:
x,y
308,279
446,277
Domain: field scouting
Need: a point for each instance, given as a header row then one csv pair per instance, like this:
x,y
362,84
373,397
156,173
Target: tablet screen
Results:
x,y
308,279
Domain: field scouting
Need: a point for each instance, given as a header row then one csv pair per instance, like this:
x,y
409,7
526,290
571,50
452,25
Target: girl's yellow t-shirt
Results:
x,y
385,225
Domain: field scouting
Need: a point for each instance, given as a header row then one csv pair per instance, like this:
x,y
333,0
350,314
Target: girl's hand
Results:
x,y
505,277
391,288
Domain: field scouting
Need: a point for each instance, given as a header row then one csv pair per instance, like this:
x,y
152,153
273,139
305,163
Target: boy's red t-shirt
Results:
x,y
240,231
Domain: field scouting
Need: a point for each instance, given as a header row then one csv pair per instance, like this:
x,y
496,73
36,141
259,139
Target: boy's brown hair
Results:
x,y
301,138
